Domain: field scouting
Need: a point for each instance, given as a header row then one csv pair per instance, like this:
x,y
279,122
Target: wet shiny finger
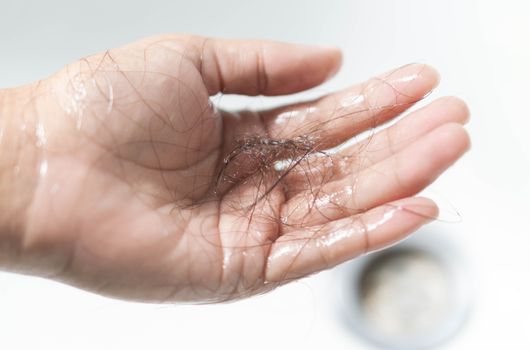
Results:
x,y
319,169
337,117
402,175
393,139
302,252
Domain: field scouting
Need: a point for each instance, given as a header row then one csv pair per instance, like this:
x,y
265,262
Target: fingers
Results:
x,y
379,146
401,175
391,140
253,67
337,117
303,252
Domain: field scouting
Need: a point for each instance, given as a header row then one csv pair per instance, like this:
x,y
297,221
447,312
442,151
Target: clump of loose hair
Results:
x,y
259,154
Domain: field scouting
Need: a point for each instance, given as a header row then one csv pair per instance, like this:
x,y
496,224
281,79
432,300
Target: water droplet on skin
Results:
x,y
336,198
43,169
226,259
300,115
73,99
387,216
334,237
352,100
110,96
40,135
285,117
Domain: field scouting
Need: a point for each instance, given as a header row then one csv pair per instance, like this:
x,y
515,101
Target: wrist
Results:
x,y
18,171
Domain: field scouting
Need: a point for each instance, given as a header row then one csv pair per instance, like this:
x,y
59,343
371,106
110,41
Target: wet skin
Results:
x,y
119,153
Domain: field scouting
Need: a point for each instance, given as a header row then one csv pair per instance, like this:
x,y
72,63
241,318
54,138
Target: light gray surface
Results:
x,y
481,49
39,37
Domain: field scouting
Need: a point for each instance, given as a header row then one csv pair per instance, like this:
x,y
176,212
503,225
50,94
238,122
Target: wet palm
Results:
x,y
130,149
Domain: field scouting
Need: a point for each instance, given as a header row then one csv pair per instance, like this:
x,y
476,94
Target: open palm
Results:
x,y
146,191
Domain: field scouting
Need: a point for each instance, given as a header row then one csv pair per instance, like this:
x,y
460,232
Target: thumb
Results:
x,y
254,67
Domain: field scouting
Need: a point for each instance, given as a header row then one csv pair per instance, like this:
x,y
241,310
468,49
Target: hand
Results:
x,y
144,190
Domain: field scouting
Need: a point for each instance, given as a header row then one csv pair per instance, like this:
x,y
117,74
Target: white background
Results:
x,y
481,49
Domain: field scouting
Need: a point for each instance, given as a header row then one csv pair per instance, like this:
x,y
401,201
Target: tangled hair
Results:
x,y
265,155
267,163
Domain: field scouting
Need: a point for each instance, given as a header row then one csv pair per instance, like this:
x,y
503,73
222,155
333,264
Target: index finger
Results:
x,y
337,117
